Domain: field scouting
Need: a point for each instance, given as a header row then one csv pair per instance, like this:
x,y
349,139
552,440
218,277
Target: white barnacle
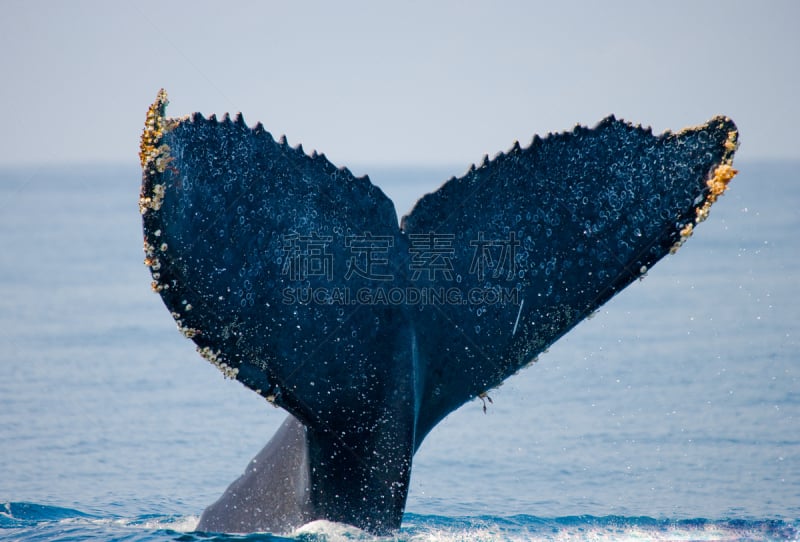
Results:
x,y
152,201
157,198
144,204
228,371
163,247
685,233
162,158
214,358
188,332
158,287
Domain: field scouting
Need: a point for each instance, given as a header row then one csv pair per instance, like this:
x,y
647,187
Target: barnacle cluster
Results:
x,y
154,157
152,261
717,184
154,128
187,332
153,154
216,359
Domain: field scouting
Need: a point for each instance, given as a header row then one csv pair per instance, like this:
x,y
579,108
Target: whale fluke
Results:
x,y
294,277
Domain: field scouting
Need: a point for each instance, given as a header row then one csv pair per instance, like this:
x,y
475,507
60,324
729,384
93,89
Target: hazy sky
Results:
x,y
394,82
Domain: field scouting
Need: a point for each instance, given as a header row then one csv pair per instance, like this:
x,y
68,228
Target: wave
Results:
x,y
524,527
35,522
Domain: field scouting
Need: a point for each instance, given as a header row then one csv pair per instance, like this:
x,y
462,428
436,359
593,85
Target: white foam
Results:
x,y
180,524
185,524
332,531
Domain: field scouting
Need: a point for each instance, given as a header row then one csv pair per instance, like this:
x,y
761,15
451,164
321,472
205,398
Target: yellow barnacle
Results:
x,y
731,144
701,213
152,262
718,183
153,128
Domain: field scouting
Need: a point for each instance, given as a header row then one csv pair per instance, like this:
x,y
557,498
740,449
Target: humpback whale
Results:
x,y
294,277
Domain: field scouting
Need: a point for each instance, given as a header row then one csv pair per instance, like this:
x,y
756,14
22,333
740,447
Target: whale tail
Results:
x,y
294,277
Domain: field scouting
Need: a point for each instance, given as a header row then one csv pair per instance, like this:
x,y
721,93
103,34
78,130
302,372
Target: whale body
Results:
x,y
294,277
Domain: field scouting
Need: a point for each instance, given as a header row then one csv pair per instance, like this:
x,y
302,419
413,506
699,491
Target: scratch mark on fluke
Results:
x,y
255,248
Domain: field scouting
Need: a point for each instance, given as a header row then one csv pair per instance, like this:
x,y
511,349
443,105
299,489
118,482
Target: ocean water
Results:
x,y
673,414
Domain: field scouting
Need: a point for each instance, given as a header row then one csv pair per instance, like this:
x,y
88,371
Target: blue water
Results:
x,y
674,414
